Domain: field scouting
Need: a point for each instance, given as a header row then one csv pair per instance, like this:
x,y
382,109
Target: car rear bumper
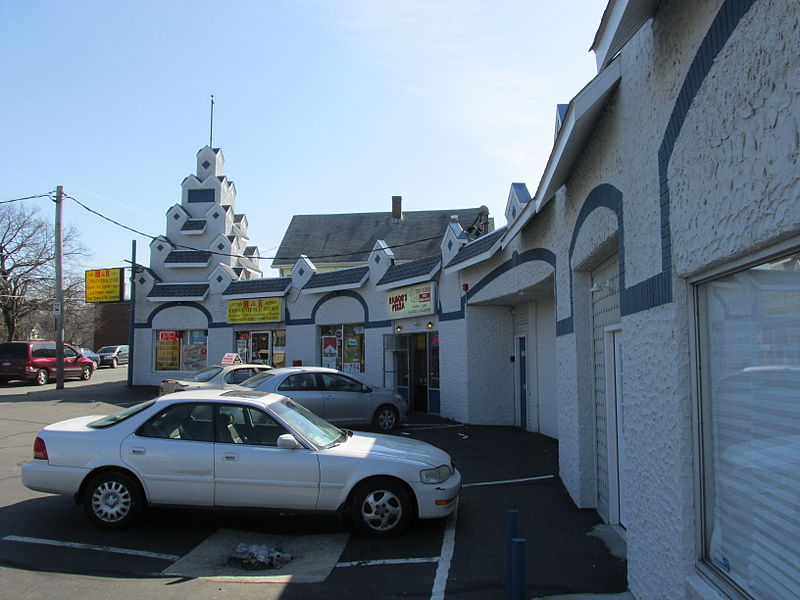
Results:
x,y
40,476
438,500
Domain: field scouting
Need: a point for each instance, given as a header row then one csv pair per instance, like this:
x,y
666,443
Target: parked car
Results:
x,y
36,362
91,355
335,396
239,448
113,356
211,377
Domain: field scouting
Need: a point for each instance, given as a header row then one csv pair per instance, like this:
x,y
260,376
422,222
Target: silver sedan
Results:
x,y
333,395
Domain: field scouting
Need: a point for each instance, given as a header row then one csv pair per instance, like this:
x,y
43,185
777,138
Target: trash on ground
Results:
x,y
254,556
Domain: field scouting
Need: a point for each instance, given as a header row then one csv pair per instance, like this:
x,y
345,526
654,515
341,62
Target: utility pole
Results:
x,y
58,304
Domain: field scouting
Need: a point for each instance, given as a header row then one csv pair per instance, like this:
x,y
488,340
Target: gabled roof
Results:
x,y
349,238
410,270
351,277
258,286
475,248
183,291
188,256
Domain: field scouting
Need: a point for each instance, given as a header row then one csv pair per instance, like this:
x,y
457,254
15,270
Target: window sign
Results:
x,y
411,301
185,350
329,351
254,310
104,285
342,347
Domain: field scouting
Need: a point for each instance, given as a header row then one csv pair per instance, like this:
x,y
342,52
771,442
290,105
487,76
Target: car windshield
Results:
x,y
107,349
203,374
254,381
315,429
120,416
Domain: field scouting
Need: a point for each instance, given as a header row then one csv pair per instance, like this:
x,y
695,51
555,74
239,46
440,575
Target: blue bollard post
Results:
x,y
518,579
512,531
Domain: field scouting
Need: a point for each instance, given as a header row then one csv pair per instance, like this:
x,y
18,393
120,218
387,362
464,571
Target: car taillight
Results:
x,y
39,449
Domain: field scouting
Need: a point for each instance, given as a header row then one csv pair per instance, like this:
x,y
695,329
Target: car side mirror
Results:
x,y
288,441
365,389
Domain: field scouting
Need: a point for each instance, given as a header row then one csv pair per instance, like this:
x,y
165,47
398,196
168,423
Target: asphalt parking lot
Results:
x,y
49,549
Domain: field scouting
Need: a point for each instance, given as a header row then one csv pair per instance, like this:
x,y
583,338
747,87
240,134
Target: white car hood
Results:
x,y
389,446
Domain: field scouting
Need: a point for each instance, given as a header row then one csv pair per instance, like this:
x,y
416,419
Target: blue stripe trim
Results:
x,y
210,323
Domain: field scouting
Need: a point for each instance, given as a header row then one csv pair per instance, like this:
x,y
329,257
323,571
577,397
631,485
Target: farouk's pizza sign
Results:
x,y
410,301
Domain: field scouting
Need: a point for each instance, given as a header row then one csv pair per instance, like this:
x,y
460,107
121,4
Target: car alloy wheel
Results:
x,y
112,500
42,376
114,363
385,418
86,373
381,507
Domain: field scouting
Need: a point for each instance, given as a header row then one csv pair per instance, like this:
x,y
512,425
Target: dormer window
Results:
x,y
197,196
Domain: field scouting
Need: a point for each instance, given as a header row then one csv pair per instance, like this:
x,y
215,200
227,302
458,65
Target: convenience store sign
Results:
x,y
254,310
104,285
411,300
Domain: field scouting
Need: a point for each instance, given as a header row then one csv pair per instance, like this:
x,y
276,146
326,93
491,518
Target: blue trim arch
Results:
x,y
338,294
517,259
210,324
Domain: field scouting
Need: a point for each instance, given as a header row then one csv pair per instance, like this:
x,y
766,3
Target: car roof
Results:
x,y
282,370
221,396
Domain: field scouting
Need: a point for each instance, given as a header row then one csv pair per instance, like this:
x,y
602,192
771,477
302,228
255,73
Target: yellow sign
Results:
x,y
254,310
411,300
104,285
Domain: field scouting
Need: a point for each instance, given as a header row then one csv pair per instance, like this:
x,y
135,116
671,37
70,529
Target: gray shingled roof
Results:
x,y
258,286
178,290
476,247
417,268
188,256
250,250
337,277
194,225
349,238
238,218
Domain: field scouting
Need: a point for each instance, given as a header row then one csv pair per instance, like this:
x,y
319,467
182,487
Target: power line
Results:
x,y
49,195
178,246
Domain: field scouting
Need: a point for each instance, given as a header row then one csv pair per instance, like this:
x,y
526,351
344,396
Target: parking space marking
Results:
x,y
141,553
448,547
504,481
389,561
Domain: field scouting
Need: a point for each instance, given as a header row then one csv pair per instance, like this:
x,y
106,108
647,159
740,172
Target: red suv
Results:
x,y
36,362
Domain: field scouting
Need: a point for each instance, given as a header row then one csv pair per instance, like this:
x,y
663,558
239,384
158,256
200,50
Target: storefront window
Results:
x,y
262,347
342,347
749,344
181,350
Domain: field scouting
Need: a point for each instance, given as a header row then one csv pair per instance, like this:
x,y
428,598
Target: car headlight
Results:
x,y
437,475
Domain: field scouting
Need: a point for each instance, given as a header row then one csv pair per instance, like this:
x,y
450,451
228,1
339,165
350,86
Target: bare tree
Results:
x,y
27,265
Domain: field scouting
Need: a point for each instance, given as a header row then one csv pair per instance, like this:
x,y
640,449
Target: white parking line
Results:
x,y
502,482
390,561
448,547
142,553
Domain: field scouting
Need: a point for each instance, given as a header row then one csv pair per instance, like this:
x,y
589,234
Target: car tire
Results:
x,y
86,373
386,418
381,507
114,363
113,500
42,377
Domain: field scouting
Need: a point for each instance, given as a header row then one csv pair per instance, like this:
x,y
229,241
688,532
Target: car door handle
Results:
x,y
230,456
137,450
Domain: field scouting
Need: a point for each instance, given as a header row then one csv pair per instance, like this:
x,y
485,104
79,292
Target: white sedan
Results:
x,y
240,449
218,377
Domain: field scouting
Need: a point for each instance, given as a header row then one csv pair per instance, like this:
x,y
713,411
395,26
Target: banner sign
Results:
x,y
105,285
410,301
254,310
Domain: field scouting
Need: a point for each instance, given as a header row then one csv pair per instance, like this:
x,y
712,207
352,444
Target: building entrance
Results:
x,y
412,368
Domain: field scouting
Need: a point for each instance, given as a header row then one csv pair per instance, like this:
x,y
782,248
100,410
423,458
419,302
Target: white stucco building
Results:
x,y
642,306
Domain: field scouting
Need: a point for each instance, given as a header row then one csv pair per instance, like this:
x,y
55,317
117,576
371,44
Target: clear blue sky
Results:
x,y
321,106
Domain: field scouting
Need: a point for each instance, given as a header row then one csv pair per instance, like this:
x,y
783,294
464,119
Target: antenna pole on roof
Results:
x,y
211,129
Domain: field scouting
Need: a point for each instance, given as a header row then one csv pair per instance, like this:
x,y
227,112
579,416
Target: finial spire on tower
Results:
x,y
211,129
